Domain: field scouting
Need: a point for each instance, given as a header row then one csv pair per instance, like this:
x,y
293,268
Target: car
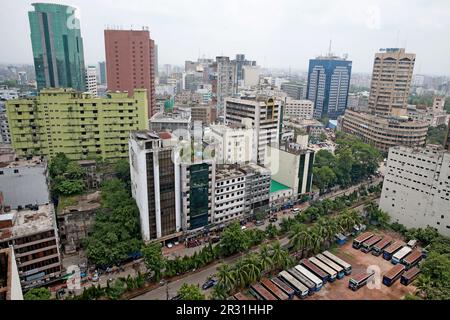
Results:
x,y
176,243
243,227
95,278
296,210
259,223
169,245
209,284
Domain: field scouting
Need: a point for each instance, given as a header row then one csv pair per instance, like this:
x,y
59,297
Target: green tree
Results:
x,y
272,231
58,165
323,177
226,277
69,187
38,294
122,169
190,292
154,260
233,240
74,171
436,135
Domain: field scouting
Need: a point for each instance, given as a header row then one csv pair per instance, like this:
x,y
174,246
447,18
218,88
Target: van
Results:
x,y
296,210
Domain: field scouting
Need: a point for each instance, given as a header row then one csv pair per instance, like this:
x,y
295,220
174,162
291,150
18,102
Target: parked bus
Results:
x,y
412,259
340,271
283,286
332,273
380,246
311,276
399,255
393,248
241,296
316,270
368,244
359,280
393,274
361,238
409,276
347,267
273,289
261,293
300,277
300,289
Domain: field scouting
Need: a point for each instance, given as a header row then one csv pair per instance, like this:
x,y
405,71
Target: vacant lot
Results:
x,y
360,261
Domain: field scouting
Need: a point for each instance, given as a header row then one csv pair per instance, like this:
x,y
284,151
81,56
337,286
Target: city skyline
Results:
x,y
359,30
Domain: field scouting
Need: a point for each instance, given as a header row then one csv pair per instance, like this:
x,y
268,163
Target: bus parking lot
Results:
x,y
360,261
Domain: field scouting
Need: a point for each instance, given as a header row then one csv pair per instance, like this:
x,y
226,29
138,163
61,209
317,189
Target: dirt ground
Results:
x,y
338,290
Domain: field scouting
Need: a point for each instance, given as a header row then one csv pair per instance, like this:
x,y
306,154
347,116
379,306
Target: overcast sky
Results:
x,y
276,33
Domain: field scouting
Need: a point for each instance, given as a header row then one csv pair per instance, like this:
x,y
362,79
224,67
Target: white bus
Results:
x,y
300,289
397,257
310,276
325,268
347,267
335,266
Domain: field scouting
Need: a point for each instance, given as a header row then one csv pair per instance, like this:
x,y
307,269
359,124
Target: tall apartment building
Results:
x,y
130,59
10,288
197,193
63,120
391,81
156,185
294,167
257,187
33,235
229,194
384,132
5,136
328,85
204,114
91,80
416,188
226,81
299,109
251,75
264,114
57,46
294,90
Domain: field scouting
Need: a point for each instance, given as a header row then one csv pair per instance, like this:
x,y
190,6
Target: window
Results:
x,y
16,170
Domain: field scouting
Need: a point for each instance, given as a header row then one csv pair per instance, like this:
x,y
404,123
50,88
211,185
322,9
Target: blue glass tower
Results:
x,y
328,85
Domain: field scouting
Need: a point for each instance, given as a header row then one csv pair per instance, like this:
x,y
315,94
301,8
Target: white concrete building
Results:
x,y
251,75
155,184
263,113
257,187
24,182
233,144
176,122
416,188
91,80
229,194
226,81
299,109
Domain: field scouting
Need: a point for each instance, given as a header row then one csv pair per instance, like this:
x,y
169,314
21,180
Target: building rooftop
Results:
x,y
27,222
275,186
82,203
228,171
35,161
170,117
254,168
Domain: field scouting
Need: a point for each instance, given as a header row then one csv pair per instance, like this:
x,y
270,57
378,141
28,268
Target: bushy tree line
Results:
x,y
67,177
353,162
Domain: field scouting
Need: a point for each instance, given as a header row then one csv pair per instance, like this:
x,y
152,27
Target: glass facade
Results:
x,y
57,47
328,86
199,192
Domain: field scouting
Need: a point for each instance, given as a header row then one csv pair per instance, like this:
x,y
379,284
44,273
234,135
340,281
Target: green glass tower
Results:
x,y
57,46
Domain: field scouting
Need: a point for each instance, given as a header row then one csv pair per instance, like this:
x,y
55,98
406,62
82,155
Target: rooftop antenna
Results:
x,y
329,49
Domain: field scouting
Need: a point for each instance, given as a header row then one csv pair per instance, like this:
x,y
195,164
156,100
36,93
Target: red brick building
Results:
x,y
130,57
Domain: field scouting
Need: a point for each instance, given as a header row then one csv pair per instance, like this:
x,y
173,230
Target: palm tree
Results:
x,y
300,238
326,228
280,257
316,240
227,277
424,285
265,258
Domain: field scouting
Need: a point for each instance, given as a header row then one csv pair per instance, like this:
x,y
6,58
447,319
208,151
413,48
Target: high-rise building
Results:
x,y
240,63
262,114
391,81
23,78
79,125
156,184
251,75
226,81
10,288
294,90
57,47
5,136
299,109
328,85
155,61
130,63
102,72
91,80
416,187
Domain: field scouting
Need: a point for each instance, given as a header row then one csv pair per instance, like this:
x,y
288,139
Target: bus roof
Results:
x,y
362,276
394,271
402,252
263,292
294,282
364,236
314,268
309,275
383,243
283,286
336,259
302,278
330,263
274,289
373,240
395,246
413,257
323,266
411,273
